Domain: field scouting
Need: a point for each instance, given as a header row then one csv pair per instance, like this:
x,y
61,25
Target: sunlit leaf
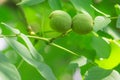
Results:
x,y
101,47
97,73
117,7
30,2
113,60
100,22
33,18
7,70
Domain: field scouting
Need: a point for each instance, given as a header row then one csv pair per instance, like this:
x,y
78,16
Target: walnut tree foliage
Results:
x,y
35,51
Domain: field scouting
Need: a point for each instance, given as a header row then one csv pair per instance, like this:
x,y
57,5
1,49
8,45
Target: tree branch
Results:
x,y
45,40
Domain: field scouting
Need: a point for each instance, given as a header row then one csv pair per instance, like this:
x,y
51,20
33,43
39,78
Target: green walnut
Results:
x,y
82,24
60,21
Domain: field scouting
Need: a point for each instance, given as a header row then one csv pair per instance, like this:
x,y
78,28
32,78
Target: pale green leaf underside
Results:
x,y
36,55
42,68
101,22
113,76
7,70
118,22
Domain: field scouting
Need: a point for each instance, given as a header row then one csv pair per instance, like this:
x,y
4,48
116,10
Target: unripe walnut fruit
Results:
x,y
60,21
82,24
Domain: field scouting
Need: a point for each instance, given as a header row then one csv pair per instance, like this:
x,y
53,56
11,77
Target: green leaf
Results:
x,y
112,31
4,10
26,72
101,22
113,60
7,70
83,6
118,22
36,55
117,7
80,61
13,57
30,2
0,31
85,68
3,58
113,76
96,73
99,11
41,67
16,31
101,47
55,4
